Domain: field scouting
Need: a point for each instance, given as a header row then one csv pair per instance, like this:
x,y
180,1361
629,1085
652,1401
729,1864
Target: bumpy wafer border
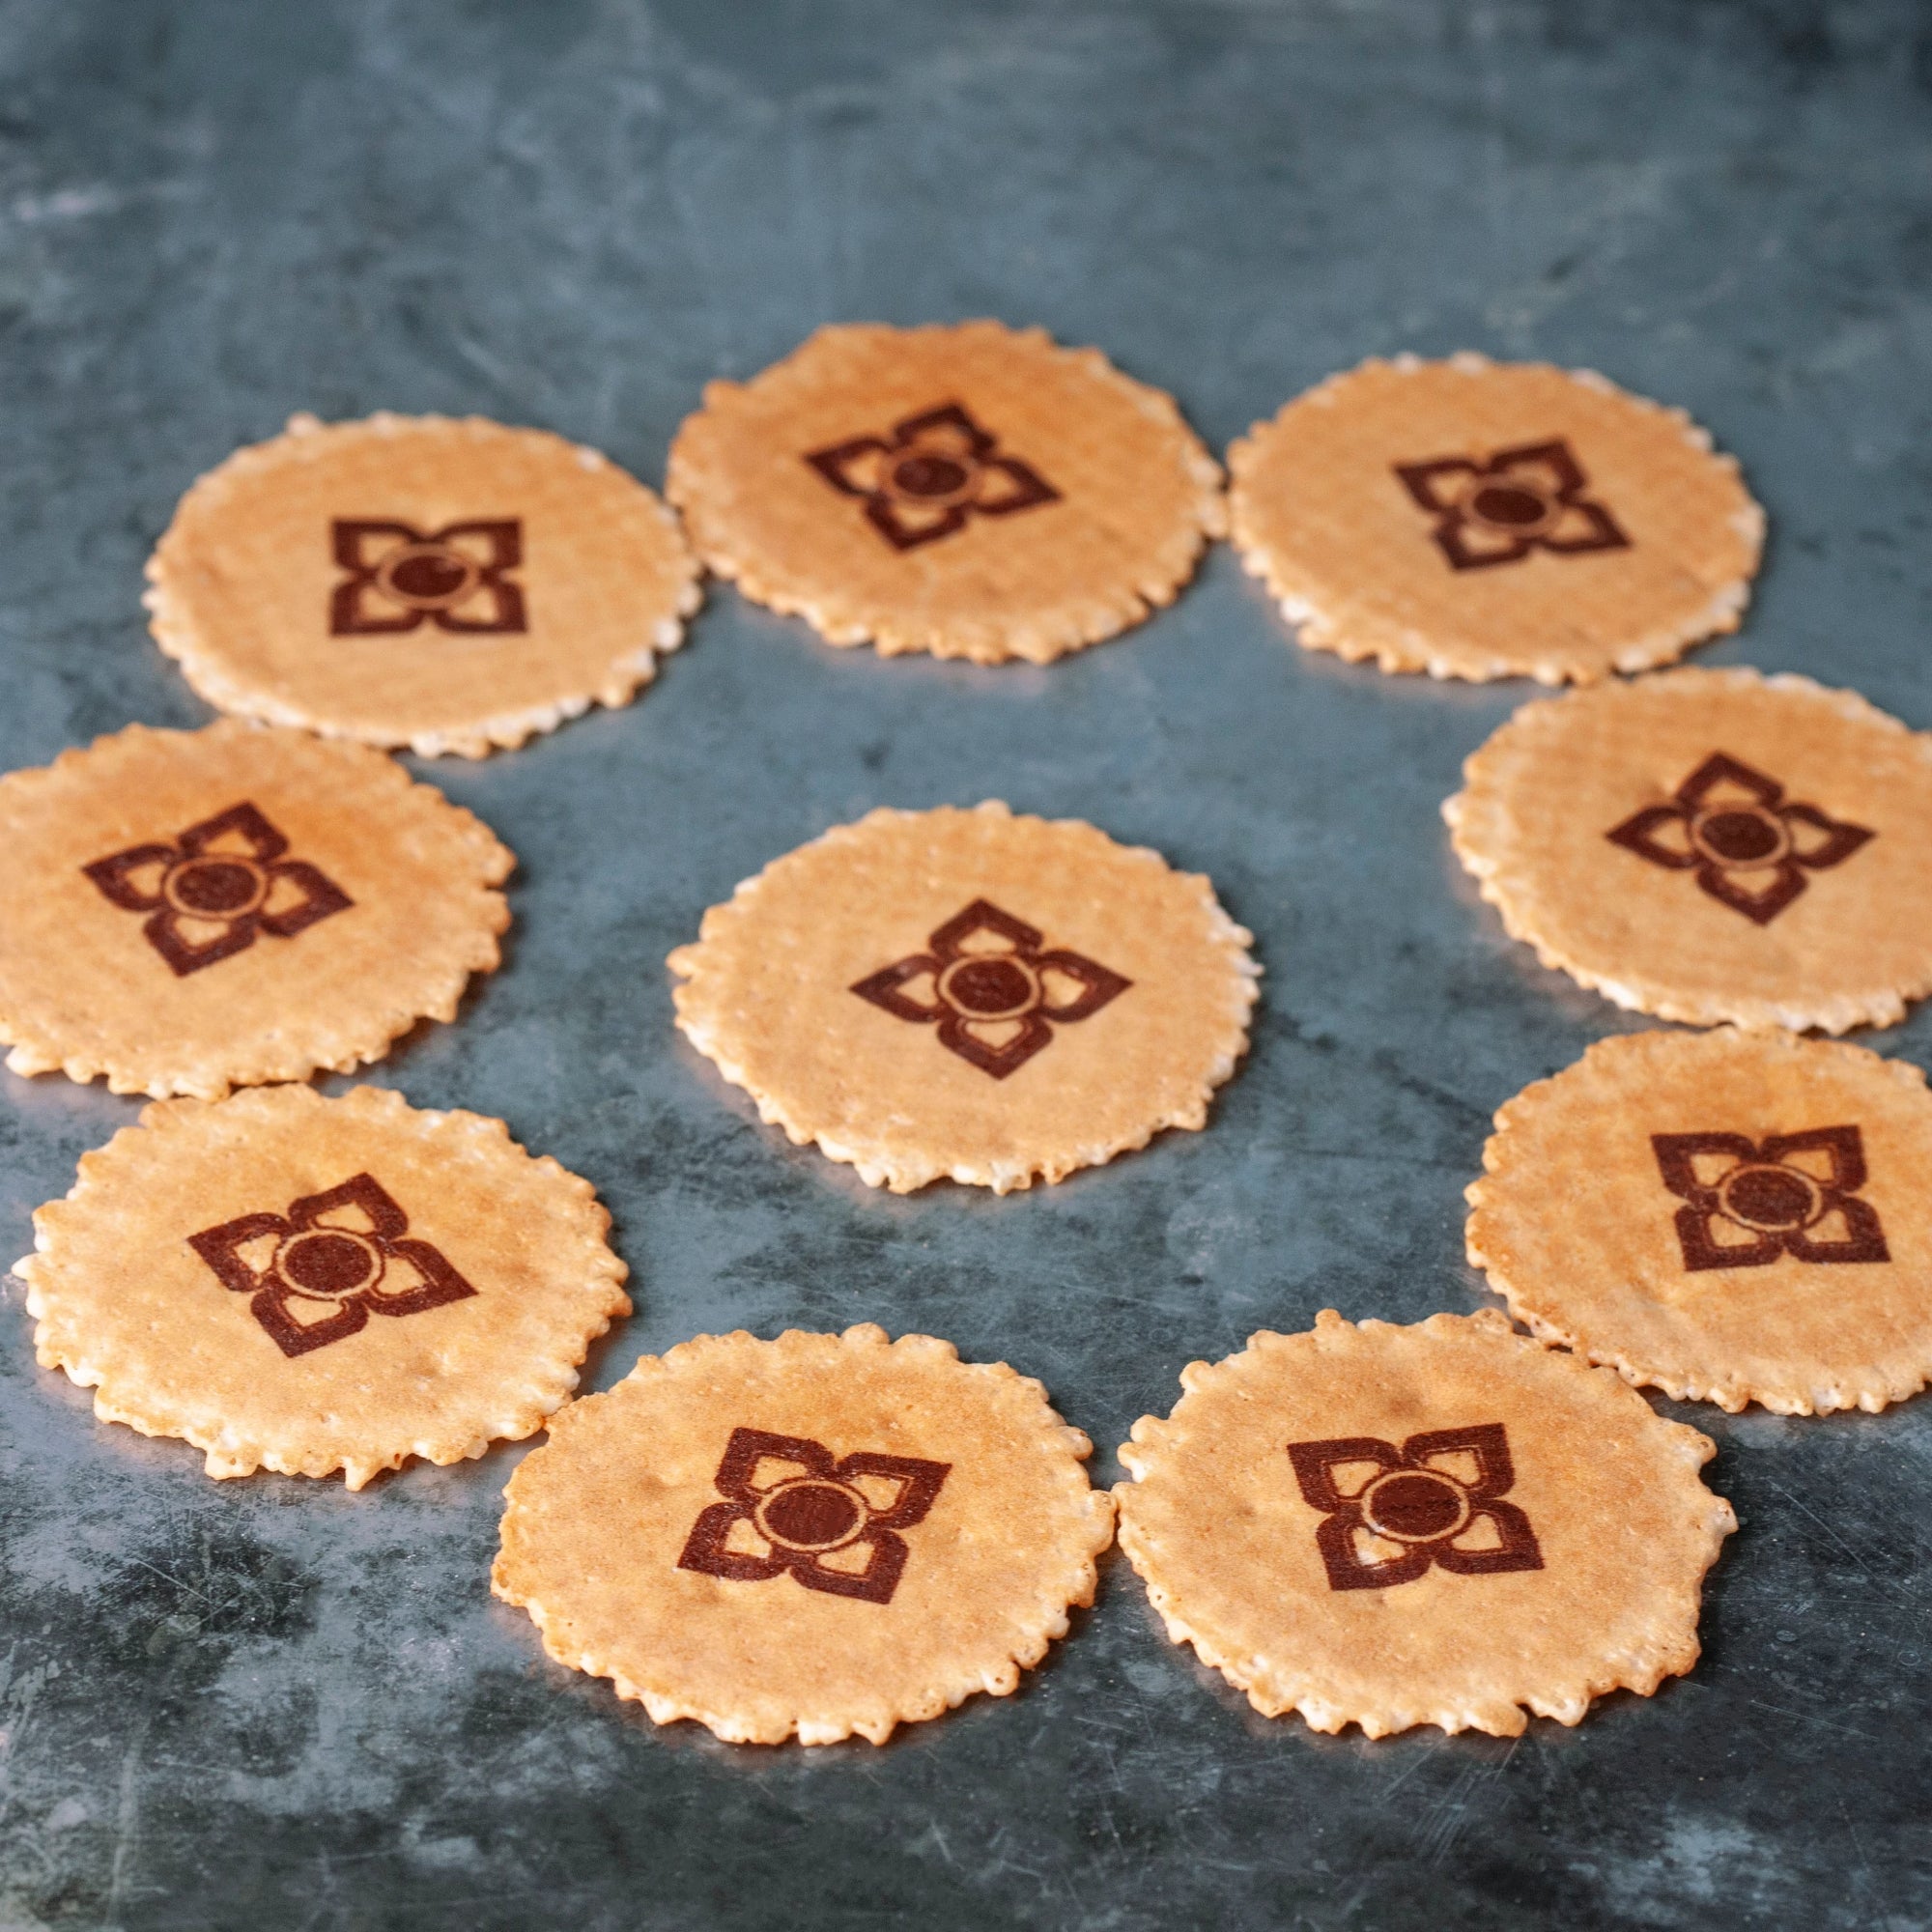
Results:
x,y
1276,1687
446,958
906,1172
697,484
204,667
1030,1627
519,1409
1488,1198
1468,814
1301,601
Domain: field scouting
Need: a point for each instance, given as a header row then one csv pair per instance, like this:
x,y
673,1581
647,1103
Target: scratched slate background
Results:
x,y
270,1704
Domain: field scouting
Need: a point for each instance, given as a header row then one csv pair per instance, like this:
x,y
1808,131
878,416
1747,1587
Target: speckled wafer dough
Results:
x,y
1362,506
1712,845
304,1285
1731,1217
971,994
187,911
818,1536
449,585
975,491
1445,1524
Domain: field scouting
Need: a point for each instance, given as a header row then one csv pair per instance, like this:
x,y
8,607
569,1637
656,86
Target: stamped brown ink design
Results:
x,y
1750,1202
318,1273
936,470
399,577
1524,498
834,1525
988,984
1750,845
1389,1513
215,887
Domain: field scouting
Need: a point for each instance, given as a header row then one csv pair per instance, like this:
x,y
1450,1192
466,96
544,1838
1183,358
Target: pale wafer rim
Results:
x,y
1166,567
904,1170
446,961
207,667
518,1410
1301,596
1069,1568
1470,812
1275,1687
1489,1206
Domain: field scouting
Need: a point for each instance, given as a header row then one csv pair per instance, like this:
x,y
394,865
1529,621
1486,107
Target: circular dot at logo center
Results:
x,y
1775,1198
328,1261
1414,1506
996,988
216,888
428,575
812,1514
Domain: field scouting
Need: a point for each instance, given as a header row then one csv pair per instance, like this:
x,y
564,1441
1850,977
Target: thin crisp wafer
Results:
x,y
1712,845
815,1537
449,585
973,491
1481,520
972,994
187,911
306,1285
1443,1525
1730,1217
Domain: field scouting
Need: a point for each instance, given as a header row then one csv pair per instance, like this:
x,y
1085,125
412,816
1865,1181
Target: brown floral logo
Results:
x,y
994,993
934,472
1524,498
1749,1201
215,887
834,1525
399,577
1388,1512
1750,845
318,1273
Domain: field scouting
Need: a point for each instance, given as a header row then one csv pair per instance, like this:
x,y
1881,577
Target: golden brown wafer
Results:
x,y
973,491
1444,1524
183,910
448,586
970,994
820,1535
306,1284
1730,1216
1482,520
1712,845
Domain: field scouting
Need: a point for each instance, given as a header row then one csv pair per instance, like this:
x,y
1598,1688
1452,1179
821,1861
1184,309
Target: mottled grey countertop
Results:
x,y
271,1704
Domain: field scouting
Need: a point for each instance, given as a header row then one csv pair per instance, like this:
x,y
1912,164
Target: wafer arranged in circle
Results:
x,y
306,1284
1729,1216
187,911
970,994
448,586
820,1535
973,491
1479,520
1712,845
1444,1525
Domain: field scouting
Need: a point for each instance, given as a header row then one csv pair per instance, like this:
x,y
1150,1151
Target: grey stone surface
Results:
x,y
272,1704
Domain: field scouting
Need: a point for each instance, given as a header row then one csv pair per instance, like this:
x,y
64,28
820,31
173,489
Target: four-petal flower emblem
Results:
x,y
932,474
399,577
1524,498
833,1525
1749,847
991,989
318,1273
1750,1202
1389,1513
215,887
